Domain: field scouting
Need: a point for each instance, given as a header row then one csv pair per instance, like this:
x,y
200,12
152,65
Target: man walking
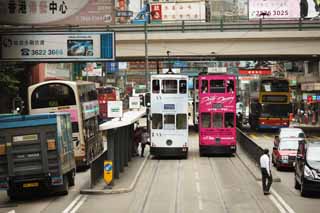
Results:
x,y
265,171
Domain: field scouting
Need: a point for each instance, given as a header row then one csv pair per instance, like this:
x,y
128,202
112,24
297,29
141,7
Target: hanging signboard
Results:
x,y
114,109
57,47
57,12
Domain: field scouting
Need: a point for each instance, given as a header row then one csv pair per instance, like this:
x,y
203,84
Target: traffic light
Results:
x,y
17,105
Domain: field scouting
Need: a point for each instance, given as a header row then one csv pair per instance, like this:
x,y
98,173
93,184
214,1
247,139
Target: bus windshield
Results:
x,y
275,110
52,95
274,86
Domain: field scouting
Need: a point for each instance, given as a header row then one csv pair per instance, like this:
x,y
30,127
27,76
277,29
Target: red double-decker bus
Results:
x,y
105,94
217,114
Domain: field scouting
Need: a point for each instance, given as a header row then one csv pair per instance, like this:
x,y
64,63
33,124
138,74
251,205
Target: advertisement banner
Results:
x,y
274,9
57,47
92,69
57,12
189,11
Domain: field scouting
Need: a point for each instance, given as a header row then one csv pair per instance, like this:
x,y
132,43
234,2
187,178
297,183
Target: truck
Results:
x,y
36,154
171,12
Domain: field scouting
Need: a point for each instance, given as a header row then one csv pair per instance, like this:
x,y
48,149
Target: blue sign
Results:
x,y
169,107
108,167
112,67
180,64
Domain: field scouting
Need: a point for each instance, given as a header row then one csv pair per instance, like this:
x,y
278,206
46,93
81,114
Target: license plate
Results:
x,y
29,185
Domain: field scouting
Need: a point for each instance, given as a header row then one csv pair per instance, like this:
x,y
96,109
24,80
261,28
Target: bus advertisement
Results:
x,y
105,94
79,98
217,110
271,104
169,115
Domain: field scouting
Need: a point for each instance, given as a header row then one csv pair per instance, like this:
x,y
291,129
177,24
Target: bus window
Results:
x,y
230,86
155,86
204,86
182,86
217,86
168,122
169,86
181,121
156,121
52,95
229,120
217,120
205,120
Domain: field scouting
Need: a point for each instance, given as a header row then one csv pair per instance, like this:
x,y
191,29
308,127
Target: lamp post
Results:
x,y
169,63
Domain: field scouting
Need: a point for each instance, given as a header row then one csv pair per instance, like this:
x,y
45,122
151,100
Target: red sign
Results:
x,y
255,72
309,99
156,12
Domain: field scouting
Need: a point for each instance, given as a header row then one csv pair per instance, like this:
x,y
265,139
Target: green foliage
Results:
x,y
9,83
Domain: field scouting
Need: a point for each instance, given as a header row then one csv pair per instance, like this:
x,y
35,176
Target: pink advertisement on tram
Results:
x,y
217,113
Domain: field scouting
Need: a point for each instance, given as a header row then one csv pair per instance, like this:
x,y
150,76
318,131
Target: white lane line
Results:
x,y
12,211
277,204
67,210
288,208
196,174
200,204
83,199
198,187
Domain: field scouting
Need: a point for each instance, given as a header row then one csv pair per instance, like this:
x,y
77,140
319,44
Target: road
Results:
x,y
207,184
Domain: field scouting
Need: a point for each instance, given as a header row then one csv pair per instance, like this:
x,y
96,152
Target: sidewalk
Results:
x,y
127,180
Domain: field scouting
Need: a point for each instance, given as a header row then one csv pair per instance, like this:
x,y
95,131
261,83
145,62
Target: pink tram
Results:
x,y
217,114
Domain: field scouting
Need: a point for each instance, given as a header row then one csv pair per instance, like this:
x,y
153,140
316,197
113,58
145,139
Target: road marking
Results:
x,y
200,204
253,136
72,204
288,208
83,199
277,204
12,211
198,187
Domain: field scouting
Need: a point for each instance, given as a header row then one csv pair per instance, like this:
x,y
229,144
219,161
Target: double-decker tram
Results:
x,y
79,98
196,103
169,114
270,103
105,94
217,114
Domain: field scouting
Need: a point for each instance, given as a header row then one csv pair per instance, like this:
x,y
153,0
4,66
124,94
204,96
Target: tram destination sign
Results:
x,y
57,47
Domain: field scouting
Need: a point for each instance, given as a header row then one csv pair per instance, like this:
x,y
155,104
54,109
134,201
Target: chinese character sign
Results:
x,y
274,9
156,12
57,12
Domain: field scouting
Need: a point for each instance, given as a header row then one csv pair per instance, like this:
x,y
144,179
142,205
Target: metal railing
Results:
x,y
183,26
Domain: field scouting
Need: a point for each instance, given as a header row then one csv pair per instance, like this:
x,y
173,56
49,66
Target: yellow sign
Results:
x,y
107,171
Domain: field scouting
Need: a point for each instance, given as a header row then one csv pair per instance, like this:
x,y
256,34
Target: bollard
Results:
x,y
111,149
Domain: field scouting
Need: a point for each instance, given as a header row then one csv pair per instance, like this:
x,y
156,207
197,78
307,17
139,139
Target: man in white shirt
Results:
x,y
265,171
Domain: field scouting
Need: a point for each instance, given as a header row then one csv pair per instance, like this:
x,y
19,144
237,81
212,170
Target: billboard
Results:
x,y
57,47
178,11
57,12
283,9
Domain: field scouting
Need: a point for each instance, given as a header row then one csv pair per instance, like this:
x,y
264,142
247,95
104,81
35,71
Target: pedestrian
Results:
x,y
137,137
144,141
266,172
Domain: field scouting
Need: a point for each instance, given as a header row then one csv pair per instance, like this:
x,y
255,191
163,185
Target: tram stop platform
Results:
x,y
306,127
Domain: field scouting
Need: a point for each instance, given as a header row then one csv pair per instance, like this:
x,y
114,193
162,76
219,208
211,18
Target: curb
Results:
x,y
117,191
254,173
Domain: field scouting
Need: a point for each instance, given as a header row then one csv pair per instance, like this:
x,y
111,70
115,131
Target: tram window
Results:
x,y
155,86
217,120
205,120
217,86
156,121
182,86
229,120
204,86
197,84
181,121
169,122
230,86
169,86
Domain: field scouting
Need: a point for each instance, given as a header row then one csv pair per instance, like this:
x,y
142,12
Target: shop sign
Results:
x,y
57,12
57,47
255,72
114,109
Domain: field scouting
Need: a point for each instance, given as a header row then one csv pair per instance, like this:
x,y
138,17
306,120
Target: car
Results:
x,y
307,167
284,152
290,132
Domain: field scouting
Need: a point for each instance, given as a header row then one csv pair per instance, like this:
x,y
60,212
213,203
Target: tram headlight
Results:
x,y
169,142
